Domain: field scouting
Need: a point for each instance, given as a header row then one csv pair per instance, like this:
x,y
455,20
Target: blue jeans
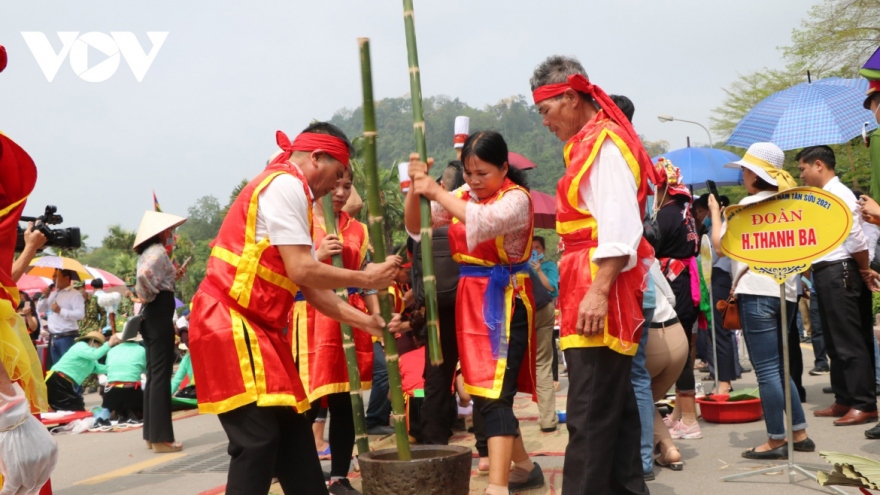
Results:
x,y
641,381
379,409
819,353
876,361
59,347
762,328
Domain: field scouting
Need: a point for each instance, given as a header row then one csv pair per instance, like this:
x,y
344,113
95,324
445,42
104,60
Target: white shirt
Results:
x,y
665,305
856,241
283,213
72,306
872,234
753,283
611,196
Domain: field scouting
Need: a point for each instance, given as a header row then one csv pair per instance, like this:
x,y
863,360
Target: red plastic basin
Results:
x,y
744,411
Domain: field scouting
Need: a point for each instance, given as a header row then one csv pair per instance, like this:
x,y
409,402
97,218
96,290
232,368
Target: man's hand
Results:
x,y
115,340
591,313
33,238
870,210
376,326
56,308
871,278
329,247
381,275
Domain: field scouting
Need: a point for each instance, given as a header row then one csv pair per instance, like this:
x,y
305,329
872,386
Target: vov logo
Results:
x,y
77,47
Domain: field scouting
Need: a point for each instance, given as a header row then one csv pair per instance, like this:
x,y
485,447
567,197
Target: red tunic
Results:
x,y
483,374
317,341
578,230
245,300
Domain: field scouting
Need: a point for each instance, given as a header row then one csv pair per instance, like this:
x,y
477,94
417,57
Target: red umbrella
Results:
x,y
545,210
108,278
31,283
519,161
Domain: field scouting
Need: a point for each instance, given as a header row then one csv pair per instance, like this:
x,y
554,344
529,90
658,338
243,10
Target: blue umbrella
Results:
x,y
701,164
828,111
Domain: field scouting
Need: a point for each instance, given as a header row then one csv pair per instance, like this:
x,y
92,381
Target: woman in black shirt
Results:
x,y
678,245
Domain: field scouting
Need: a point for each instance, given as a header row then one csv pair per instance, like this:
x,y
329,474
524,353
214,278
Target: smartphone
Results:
x,y
185,262
713,190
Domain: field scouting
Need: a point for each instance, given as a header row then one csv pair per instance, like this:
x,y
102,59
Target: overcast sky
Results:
x,y
230,73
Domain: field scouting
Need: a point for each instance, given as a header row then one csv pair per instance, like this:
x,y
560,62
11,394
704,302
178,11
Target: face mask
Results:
x,y
707,222
170,241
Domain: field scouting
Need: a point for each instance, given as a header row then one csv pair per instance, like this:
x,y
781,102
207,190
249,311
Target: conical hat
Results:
x,y
153,223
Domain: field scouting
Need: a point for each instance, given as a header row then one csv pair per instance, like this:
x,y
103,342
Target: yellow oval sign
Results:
x,y
786,232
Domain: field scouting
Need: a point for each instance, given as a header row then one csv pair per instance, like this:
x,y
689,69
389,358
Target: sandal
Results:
x,y
661,458
167,447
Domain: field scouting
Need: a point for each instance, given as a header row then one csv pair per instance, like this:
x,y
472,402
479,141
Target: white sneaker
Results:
x,y
682,432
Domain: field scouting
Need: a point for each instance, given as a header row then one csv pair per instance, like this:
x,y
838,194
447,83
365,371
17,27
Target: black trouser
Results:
x,y
603,454
847,326
158,332
341,431
726,366
687,314
498,413
439,410
795,356
62,394
271,441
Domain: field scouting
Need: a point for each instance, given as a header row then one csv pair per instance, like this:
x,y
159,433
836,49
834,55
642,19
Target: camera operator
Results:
x,y
68,307
33,241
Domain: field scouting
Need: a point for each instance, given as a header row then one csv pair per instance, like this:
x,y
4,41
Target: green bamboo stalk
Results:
x,y
376,222
430,283
354,375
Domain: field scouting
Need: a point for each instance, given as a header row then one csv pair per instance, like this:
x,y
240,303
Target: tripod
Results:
x,y
791,466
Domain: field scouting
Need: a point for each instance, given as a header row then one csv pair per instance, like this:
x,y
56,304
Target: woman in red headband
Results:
x,y
490,234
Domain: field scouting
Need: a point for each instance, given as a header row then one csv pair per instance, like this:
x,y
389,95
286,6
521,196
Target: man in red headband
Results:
x,y
599,206
238,335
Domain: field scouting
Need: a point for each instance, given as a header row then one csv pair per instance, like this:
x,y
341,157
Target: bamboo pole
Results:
x,y
430,283
354,376
376,222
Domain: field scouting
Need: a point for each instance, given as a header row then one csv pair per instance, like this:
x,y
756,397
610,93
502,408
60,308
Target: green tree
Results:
x,y
204,219
836,38
118,238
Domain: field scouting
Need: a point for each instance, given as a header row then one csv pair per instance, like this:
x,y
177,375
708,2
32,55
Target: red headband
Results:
x,y
309,141
579,83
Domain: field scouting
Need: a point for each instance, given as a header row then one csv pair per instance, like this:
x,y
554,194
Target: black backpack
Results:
x,y
445,271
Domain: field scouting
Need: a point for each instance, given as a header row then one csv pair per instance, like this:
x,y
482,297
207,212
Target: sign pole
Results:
x,y
706,265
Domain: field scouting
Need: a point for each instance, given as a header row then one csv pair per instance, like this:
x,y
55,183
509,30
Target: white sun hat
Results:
x,y
153,223
758,157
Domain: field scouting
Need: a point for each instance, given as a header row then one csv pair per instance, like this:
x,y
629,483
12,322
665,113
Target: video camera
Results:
x,y
67,238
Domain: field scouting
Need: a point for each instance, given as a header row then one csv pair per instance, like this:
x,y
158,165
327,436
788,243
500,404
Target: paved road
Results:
x,y
119,463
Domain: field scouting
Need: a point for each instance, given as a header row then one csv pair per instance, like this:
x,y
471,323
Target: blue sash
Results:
x,y
300,297
493,299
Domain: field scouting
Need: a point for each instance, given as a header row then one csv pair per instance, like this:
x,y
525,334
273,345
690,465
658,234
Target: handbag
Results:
x,y
729,308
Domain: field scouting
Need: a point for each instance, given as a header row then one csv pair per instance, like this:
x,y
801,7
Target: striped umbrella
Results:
x,y
827,111
109,279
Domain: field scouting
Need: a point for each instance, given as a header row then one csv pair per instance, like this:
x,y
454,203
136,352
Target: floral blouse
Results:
x,y
508,216
155,273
